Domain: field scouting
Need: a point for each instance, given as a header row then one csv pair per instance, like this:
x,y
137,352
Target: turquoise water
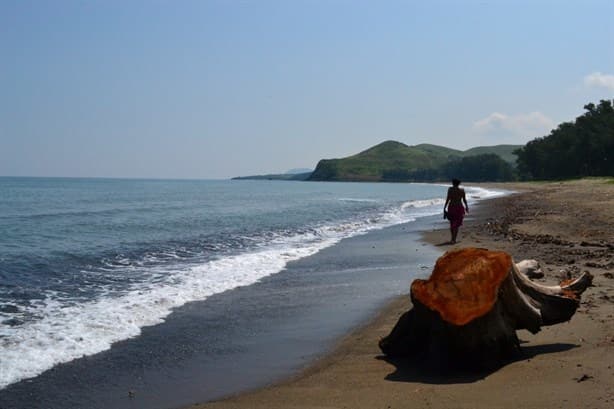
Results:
x,y
85,263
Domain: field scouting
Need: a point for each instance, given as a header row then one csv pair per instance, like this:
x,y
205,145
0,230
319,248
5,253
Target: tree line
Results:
x,y
581,148
487,167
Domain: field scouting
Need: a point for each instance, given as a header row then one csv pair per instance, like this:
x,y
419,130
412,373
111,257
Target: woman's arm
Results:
x,y
465,200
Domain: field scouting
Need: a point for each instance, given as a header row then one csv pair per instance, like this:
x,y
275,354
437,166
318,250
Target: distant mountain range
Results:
x,y
396,161
278,176
296,171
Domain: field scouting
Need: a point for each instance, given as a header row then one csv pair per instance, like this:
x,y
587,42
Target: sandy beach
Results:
x,y
569,228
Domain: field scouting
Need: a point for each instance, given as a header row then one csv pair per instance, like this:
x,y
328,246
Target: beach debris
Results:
x,y
582,378
469,309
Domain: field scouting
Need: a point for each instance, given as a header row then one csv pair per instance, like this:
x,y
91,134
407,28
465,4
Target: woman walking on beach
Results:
x,y
456,211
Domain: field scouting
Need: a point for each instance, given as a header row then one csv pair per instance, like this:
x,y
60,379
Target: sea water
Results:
x,y
85,263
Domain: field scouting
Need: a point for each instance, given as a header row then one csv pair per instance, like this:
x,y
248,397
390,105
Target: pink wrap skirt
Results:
x,y
456,213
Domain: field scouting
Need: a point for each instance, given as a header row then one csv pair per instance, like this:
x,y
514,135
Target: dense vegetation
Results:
x,y
396,162
584,147
488,167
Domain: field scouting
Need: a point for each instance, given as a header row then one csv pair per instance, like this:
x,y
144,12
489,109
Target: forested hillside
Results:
x,y
393,161
584,147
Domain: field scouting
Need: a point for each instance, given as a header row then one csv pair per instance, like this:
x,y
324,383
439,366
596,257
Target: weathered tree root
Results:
x,y
468,311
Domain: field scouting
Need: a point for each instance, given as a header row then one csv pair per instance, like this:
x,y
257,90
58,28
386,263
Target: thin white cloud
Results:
x,y
524,126
599,80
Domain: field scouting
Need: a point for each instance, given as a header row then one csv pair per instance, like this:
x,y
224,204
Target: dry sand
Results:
x,y
569,228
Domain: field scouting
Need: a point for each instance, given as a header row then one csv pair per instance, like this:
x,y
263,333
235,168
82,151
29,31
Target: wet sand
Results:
x,y
569,228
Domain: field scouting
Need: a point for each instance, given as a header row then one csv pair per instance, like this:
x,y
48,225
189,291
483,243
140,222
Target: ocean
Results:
x,y
100,273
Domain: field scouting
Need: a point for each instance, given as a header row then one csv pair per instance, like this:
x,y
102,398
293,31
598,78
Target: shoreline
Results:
x,y
243,339
567,365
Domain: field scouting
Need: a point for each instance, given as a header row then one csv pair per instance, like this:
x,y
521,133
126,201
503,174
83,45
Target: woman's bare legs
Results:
x,y
454,233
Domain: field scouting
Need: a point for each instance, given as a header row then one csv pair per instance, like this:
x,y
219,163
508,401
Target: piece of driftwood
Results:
x,y
469,309
530,268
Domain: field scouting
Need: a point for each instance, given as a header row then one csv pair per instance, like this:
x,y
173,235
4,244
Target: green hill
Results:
x,y
438,150
395,161
506,152
372,163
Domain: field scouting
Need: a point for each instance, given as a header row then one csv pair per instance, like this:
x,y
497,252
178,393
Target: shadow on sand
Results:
x,y
448,243
408,370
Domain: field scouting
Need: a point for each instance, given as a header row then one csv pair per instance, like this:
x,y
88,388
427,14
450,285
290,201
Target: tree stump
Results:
x,y
468,311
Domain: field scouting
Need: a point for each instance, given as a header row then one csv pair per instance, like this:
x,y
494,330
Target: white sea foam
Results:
x,y
68,330
351,199
422,203
480,193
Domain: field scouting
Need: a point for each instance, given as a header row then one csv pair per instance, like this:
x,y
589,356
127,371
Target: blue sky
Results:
x,y
214,89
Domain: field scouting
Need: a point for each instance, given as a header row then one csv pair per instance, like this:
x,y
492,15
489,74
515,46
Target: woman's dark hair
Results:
x,y
456,182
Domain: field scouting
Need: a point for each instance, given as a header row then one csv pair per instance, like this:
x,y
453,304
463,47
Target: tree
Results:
x,y
479,168
584,147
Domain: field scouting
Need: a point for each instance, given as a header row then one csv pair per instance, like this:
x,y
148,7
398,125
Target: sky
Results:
x,y
214,89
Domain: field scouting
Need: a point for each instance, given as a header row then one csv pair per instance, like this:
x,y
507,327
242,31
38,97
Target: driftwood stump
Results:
x,y
468,311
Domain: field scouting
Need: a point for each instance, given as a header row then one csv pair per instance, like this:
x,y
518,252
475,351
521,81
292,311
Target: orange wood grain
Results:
x,y
464,284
